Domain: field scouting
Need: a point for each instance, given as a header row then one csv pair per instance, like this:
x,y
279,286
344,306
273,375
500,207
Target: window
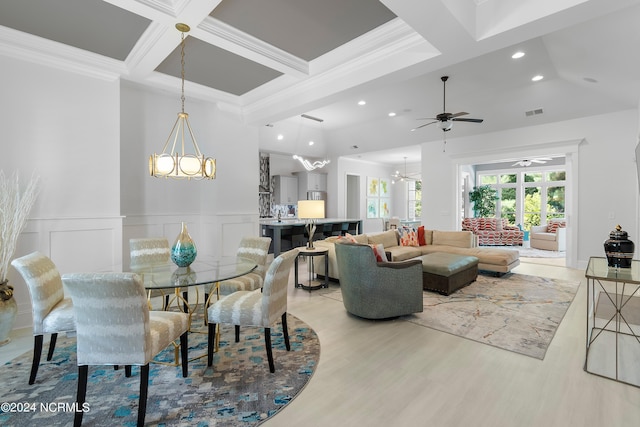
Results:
x,y
414,199
521,195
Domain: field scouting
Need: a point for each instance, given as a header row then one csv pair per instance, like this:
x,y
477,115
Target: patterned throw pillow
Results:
x,y
378,251
553,226
408,237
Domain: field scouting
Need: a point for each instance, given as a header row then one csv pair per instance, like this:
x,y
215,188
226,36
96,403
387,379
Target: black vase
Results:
x,y
619,249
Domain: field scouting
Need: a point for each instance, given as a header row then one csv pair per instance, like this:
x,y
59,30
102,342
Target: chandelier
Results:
x,y
181,165
397,176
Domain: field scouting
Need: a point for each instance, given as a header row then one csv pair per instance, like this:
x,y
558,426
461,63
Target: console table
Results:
x,y
613,321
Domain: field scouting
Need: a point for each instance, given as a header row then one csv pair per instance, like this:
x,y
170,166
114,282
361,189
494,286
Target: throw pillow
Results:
x,y
553,226
408,238
348,237
378,251
421,240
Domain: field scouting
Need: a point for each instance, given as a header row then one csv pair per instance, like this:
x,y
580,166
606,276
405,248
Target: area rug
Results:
x,y
238,390
515,312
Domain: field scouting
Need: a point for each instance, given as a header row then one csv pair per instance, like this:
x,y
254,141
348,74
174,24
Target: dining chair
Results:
x,y
115,327
255,249
52,312
260,307
149,251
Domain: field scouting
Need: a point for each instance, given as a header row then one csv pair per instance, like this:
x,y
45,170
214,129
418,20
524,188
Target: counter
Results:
x,y
290,232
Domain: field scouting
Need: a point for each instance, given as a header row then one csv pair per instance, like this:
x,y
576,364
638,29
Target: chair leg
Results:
x,y
37,351
267,344
81,394
144,387
185,295
127,371
210,343
52,345
285,331
237,333
184,349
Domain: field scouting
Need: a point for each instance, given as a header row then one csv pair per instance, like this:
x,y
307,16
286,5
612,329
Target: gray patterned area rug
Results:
x,y
238,390
515,312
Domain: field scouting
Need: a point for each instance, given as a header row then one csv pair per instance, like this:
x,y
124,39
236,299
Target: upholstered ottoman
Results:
x,y
445,273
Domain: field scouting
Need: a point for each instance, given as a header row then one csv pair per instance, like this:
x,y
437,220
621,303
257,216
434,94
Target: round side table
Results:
x,y
313,253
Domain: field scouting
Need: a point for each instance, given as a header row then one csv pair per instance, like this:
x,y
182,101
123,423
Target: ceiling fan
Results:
x,y
528,162
397,176
445,120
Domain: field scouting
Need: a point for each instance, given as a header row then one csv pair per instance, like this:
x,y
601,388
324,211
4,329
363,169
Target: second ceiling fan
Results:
x,y
445,120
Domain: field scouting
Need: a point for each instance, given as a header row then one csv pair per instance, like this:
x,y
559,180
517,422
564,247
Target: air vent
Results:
x,y
535,112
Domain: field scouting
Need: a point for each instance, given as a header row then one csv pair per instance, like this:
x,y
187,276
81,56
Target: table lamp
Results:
x,y
311,210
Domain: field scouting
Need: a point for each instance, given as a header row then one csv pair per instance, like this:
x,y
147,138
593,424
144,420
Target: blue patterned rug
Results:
x,y
238,390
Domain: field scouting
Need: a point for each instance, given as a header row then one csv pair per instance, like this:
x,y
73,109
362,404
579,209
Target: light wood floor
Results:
x,y
395,373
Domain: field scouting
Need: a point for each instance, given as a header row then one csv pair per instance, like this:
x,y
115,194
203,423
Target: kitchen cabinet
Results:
x,y
285,190
311,181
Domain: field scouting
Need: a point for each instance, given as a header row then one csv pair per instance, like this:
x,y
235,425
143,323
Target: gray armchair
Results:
x,y
378,290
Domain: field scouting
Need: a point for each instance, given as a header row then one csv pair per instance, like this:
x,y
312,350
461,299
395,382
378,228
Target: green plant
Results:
x,y
484,201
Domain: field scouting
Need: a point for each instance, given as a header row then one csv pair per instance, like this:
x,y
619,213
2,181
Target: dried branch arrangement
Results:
x,y
14,212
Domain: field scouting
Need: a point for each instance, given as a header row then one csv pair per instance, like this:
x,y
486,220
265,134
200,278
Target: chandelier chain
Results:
x,y
182,68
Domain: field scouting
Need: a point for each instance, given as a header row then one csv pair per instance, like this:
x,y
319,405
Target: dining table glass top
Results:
x,y
203,271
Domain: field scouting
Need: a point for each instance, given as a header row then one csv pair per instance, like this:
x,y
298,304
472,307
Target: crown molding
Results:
x,y
227,37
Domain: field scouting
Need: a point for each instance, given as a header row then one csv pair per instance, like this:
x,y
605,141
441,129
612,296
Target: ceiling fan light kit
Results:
x,y
445,120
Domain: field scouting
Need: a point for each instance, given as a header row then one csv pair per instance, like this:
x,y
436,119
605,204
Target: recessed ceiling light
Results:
x,y
362,102
517,55
392,114
280,137
311,142
537,78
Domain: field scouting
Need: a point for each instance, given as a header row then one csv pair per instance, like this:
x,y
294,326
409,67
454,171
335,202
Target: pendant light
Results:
x,y
307,164
181,165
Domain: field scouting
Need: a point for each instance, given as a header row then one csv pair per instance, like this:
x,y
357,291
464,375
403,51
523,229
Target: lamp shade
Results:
x,y
310,209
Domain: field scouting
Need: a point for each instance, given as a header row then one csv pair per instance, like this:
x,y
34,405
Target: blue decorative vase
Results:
x,y
183,251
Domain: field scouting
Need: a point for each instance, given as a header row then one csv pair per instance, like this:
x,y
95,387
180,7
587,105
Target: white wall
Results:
x,y
336,183
63,127
606,192
217,212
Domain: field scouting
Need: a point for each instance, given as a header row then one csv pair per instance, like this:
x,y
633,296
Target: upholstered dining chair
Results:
x,y
255,249
147,251
116,327
52,312
260,307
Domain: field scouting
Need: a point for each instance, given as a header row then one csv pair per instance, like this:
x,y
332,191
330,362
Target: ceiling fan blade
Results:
x,y
468,120
462,113
517,164
421,126
427,118
539,161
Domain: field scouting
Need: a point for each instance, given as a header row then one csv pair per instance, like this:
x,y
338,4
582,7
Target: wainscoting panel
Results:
x,y
74,245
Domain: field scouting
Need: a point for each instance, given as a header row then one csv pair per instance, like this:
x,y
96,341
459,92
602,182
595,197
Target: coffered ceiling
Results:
x,y
272,60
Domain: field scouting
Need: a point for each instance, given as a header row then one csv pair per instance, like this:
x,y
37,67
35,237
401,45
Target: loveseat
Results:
x,y
493,231
496,260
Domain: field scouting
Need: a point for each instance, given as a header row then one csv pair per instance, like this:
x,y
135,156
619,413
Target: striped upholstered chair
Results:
x,y
52,312
255,249
261,307
115,327
149,251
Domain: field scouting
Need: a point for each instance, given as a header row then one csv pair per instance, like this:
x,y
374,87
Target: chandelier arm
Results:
x,y
193,138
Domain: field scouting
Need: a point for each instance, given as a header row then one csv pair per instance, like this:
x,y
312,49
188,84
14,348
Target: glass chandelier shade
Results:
x,y
179,164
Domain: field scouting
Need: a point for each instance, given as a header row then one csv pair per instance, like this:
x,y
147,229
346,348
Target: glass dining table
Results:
x,y
176,282
205,271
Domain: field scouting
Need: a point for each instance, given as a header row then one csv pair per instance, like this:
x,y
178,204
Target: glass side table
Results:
x,y
613,321
313,253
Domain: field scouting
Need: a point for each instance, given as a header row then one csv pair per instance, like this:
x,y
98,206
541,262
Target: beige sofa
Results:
x,y
454,242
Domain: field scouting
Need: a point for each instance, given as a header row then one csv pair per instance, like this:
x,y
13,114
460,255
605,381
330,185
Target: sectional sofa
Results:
x,y
497,260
